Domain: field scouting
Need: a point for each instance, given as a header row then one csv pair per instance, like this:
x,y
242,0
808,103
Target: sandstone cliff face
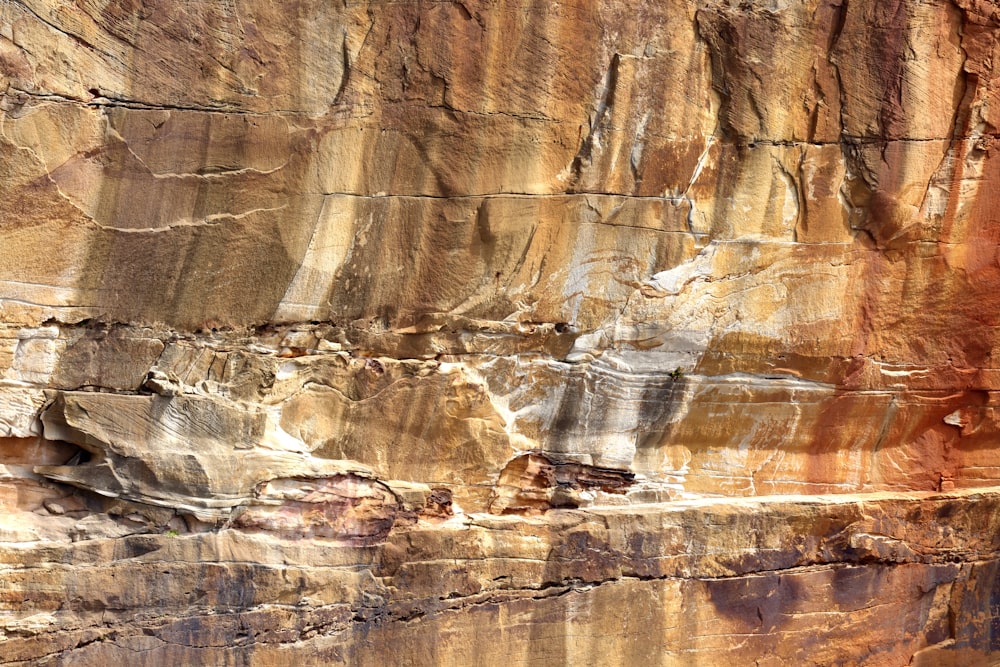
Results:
x,y
449,332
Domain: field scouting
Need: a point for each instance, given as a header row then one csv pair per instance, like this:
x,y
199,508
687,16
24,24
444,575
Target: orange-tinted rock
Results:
x,y
318,292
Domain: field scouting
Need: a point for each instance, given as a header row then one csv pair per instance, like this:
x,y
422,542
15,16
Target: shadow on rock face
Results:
x,y
536,483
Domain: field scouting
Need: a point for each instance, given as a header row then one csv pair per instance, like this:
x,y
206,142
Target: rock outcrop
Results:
x,y
468,332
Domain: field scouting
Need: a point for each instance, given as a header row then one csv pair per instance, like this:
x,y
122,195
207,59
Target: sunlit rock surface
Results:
x,y
453,332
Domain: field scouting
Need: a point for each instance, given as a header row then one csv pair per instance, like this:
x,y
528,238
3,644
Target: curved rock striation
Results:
x,y
448,330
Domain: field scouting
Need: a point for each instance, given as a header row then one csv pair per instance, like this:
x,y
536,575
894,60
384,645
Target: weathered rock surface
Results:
x,y
893,579
478,333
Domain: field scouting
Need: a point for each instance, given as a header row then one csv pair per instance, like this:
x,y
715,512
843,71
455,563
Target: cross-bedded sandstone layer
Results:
x,y
300,285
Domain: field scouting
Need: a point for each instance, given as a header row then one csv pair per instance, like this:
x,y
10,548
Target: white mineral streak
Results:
x,y
617,332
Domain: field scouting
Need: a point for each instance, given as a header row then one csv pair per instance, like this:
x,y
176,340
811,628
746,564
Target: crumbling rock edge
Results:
x,y
758,568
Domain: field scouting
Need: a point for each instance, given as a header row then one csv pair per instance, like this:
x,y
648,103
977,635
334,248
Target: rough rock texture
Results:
x,y
499,332
822,580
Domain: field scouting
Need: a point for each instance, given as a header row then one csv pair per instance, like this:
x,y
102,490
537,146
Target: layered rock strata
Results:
x,y
893,579
307,310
